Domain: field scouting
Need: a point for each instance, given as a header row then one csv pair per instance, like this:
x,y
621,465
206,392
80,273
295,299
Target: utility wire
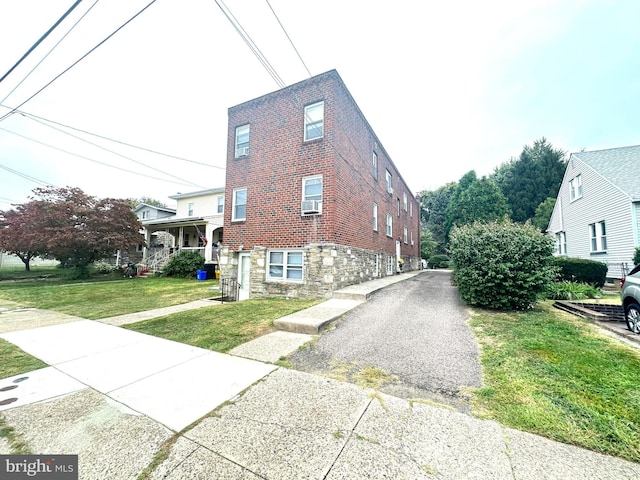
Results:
x,y
289,38
80,59
113,152
24,175
49,52
32,116
35,45
191,184
250,43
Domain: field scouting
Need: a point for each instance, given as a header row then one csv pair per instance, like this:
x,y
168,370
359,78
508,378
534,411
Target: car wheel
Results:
x,y
632,314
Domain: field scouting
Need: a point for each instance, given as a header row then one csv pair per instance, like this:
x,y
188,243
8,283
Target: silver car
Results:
x,y
630,296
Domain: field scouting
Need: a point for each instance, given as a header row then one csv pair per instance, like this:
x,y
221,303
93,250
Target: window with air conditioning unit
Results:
x,y
311,195
242,141
389,182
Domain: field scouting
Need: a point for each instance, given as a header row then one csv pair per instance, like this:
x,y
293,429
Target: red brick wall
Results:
x,y
279,159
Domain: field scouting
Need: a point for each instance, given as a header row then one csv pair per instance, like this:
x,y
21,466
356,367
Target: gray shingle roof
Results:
x,y
621,166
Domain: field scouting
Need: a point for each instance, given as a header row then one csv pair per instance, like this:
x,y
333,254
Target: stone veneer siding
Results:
x,y
326,267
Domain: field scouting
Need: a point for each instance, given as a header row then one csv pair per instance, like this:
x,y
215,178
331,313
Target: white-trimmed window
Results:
x,y
190,210
389,225
145,215
312,195
575,188
242,141
285,265
398,203
561,243
239,210
411,209
389,181
391,261
404,201
598,237
375,217
411,233
374,165
220,203
314,121
405,235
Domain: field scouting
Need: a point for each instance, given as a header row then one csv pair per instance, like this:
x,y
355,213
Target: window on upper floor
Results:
x,y
404,201
405,235
411,209
220,203
598,233
239,207
375,217
314,121
398,203
285,265
374,165
242,141
312,195
561,243
145,214
389,225
190,210
575,188
389,182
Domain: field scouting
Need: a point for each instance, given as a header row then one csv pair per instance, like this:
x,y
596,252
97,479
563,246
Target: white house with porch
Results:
x,y
196,225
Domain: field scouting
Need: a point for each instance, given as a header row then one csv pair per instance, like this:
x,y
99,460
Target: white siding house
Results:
x,y
597,210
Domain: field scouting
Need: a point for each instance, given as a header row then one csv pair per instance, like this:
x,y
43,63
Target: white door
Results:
x,y
376,272
398,257
244,267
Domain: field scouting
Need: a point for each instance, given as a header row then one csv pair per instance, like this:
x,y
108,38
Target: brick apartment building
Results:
x,y
314,203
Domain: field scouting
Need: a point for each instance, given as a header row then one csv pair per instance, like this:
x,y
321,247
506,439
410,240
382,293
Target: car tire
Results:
x,y
632,316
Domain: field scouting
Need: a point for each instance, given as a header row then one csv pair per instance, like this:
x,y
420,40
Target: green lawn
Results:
x,y
554,374
15,361
222,327
94,300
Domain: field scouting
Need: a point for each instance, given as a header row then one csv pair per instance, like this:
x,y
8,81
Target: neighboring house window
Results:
x,y
312,195
598,237
374,165
242,141
404,201
314,121
145,214
390,263
405,236
561,243
220,204
185,240
389,225
575,188
239,211
411,208
285,265
398,202
375,217
389,184
190,210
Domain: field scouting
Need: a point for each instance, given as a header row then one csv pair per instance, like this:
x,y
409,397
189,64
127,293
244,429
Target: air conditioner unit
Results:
x,y
311,206
390,190
243,152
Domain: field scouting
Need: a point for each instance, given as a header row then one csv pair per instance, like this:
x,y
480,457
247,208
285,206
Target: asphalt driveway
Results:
x,y
416,331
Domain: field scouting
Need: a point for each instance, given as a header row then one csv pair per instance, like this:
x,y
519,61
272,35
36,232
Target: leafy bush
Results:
x,y
501,265
438,261
636,256
579,270
566,290
184,264
103,267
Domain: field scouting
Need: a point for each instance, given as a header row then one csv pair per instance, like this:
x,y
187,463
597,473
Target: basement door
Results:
x,y
244,269
397,255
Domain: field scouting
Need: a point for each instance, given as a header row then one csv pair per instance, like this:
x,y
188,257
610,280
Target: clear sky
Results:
x,y
447,86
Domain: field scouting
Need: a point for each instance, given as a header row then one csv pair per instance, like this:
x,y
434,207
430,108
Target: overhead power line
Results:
x,y
289,38
35,45
250,43
24,175
80,59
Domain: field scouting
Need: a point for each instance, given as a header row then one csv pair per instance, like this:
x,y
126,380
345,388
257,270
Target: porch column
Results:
x,y
180,237
208,248
147,244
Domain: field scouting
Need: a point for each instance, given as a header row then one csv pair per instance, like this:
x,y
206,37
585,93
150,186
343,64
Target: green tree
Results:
x,y
528,180
433,207
427,244
148,200
543,214
20,234
475,200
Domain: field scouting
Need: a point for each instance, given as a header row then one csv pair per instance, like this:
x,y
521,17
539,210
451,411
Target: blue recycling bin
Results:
x,y
201,274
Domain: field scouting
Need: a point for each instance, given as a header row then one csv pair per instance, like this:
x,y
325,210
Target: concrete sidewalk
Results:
x,y
117,398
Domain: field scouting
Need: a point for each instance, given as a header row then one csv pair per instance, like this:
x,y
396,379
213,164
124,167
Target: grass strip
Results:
x,y
222,327
15,361
554,374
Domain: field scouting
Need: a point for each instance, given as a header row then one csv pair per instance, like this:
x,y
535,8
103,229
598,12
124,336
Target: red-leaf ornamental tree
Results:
x,y
75,228
19,235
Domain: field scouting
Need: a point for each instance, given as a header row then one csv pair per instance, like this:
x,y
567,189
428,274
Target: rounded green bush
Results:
x,y
580,270
501,265
184,264
438,261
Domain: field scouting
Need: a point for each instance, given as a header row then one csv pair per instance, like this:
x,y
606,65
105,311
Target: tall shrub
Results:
x,y
184,264
501,265
582,270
